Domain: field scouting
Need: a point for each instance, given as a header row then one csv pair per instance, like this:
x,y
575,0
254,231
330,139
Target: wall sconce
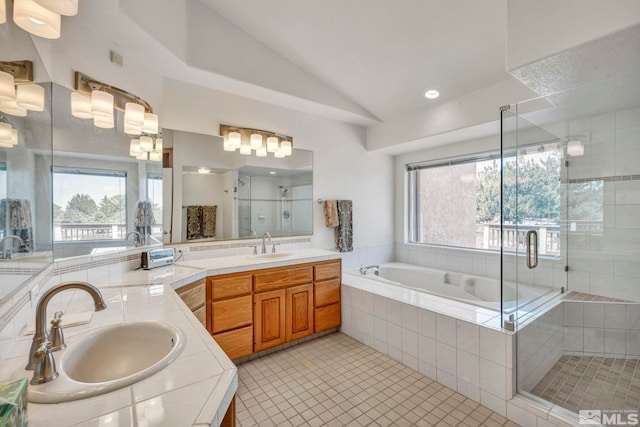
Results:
x,y
261,142
575,148
96,100
17,92
40,17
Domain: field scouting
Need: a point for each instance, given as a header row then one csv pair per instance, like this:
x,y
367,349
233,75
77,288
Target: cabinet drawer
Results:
x,y
327,292
236,343
227,287
327,317
330,270
301,275
231,313
271,280
193,295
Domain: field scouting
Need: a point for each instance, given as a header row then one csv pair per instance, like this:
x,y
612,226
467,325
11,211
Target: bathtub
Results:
x,y
467,288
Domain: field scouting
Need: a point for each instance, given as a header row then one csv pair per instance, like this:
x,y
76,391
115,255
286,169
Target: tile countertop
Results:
x,y
196,389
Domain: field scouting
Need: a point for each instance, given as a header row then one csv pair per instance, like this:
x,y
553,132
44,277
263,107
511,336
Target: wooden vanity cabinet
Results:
x,y
193,296
230,313
253,311
326,302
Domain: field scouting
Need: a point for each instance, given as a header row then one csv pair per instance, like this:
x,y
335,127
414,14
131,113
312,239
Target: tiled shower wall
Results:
x,y
608,263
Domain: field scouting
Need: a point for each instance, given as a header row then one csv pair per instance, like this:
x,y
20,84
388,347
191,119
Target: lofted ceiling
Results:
x,y
365,62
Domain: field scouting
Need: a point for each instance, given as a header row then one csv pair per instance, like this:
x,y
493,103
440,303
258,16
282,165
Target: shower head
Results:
x,y
284,192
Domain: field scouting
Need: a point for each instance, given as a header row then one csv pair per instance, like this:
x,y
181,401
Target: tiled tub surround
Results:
x,y
459,345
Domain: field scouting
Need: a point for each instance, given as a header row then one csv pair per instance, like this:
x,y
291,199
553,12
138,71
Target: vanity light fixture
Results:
x,y
3,11
103,99
18,93
146,148
40,17
8,134
259,141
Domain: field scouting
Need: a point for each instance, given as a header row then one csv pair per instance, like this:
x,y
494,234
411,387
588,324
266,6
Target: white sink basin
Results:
x,y
108,358
276,255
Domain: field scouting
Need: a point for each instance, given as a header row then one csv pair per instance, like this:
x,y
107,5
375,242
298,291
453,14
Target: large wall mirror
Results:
x,y
25,197
221,195
103,198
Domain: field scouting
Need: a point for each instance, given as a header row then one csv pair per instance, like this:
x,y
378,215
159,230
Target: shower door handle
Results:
x,y
532,240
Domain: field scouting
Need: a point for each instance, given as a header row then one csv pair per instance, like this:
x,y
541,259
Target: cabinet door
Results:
x,y
269,319
327,317
236,343
299,311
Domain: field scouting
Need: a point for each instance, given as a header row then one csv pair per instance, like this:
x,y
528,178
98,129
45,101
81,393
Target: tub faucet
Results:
x,y
364,270
138,240
264,246
6,253
40,356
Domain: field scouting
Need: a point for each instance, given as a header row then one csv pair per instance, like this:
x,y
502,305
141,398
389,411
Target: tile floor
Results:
x,y
336,381
583,382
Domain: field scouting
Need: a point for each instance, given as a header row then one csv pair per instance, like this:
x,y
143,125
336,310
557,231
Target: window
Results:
x,y
457,202
154,195
80,212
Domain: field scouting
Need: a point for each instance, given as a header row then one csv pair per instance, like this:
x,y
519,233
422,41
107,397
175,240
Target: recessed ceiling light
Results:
x,y
272,173
203,170
432,94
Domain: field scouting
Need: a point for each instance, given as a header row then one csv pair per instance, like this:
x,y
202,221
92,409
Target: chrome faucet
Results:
x,y
264,246
6,253
364,270
40,356
138,241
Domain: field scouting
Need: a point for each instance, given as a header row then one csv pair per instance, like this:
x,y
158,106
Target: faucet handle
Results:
x,y
45,369
55,333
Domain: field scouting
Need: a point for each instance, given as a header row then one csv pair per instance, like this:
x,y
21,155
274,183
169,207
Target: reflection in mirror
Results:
x,y
103,198
222,195
25,199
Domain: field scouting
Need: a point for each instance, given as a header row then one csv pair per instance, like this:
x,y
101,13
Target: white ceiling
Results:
x,y
383,54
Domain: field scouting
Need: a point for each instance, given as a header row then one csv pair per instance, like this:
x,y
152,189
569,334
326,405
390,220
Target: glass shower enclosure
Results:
x,y
571,246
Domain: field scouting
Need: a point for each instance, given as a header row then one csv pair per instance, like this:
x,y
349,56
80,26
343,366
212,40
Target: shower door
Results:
x,y
534,244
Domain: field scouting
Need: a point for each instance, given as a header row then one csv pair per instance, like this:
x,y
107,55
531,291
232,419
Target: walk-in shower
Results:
x,y
581,351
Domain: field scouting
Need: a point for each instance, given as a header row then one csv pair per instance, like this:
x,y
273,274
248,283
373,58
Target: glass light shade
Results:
x,y
146,143
81,106
134,147
245,149
150,124
3,11
37,20
6,131
261,152
133,130
133,115
103,122
227,146
256,141
14,137
143,156
10,107
158,145
155,157
272,144
285,146
6,144
7,85
102,104
62,7
278,153
234,139
30,96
